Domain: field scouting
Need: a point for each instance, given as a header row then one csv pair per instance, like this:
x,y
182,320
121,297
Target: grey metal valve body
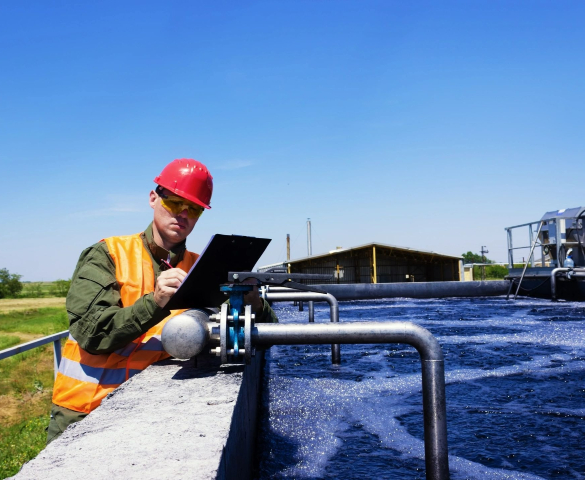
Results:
x,y
186,334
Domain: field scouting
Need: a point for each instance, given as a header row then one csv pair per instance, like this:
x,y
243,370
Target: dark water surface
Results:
x,y
515,374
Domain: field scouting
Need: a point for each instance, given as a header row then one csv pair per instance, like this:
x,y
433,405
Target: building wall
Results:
x,y
392,266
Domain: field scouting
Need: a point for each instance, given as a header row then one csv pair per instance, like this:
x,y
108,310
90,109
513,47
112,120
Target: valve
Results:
x,y
186,335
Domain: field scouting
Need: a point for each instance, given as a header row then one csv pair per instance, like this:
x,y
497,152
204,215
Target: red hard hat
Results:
x,y
189,179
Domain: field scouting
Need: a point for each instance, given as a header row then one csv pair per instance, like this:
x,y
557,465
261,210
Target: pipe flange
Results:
x,y
223,333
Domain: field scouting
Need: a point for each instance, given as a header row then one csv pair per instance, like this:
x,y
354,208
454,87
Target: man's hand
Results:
x,y
253,298
167,284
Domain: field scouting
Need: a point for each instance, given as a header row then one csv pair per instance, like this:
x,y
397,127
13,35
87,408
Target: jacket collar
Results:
x,y
176,253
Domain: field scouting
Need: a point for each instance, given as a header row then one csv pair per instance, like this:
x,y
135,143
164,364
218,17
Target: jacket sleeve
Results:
x,y
97,320
267,315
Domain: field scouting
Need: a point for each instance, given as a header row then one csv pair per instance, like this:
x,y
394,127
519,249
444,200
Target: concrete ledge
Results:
x,y
171,421
362,291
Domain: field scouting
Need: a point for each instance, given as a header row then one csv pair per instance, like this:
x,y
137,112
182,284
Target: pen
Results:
x,y
167,262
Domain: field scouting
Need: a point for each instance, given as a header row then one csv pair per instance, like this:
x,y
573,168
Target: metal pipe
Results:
x,y
531,235
510,248
362,291
579,272
311,311
529,256
315,297
272,289
433,369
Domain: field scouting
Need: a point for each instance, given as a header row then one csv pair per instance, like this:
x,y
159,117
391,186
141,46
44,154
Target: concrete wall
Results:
x,y
173,420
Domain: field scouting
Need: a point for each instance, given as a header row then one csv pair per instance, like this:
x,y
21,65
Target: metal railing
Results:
x,y
511,246
39,342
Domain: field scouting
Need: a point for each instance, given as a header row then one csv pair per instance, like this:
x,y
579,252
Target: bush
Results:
x,y
10,285
491,272
60,288
33,290
496,271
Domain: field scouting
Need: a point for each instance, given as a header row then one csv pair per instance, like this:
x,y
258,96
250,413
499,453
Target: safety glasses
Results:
x,y
176,205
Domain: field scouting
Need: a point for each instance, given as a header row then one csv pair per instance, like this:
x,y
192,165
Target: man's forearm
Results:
x,y
105,328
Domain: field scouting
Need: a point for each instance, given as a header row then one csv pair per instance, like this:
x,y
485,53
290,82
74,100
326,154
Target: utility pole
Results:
x,y
287,247
309,242
483,251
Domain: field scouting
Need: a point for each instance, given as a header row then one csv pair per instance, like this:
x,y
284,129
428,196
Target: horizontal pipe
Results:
x,y
268,334
362,291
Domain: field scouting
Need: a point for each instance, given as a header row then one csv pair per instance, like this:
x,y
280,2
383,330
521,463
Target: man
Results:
x,y
116,303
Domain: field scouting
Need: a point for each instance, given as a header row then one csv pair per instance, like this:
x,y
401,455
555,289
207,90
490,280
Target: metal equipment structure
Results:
x,y
560,235
188,334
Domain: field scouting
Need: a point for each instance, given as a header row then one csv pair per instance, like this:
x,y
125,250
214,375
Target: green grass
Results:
x,y
43,321
26,385
7,341
21,442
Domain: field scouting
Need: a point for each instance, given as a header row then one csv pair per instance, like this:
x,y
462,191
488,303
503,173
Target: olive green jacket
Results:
x,y
97,320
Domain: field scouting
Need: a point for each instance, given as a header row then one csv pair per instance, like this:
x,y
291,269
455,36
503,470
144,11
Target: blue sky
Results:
x,y
432,125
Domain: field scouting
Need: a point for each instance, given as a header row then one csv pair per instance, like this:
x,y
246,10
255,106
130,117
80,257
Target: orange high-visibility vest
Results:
x,y
85,379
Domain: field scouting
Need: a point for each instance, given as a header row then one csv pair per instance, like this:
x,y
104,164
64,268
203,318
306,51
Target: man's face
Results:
x,y
172,228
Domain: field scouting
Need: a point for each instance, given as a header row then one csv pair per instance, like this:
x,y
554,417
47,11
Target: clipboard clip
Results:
x,y
289,280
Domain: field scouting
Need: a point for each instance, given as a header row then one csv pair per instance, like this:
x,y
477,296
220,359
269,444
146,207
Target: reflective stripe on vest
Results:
x,y
85,379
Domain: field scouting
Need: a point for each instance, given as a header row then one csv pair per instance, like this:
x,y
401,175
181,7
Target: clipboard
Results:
x,y
223,254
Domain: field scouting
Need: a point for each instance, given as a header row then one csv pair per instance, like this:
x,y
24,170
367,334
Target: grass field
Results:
x,y
26,380
19,304
57,288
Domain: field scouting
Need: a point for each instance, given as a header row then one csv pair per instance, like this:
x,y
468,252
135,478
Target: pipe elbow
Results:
x,y
424,341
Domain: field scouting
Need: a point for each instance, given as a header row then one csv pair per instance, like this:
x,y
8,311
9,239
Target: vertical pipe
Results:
x,y
334,314
311,311
531,235
510,251
435,419
309,241
56,356
461,271
374,259
560,225
301,306
288,247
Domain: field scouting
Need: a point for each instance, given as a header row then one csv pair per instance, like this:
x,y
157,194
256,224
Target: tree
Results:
x,y
10,285
471,257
